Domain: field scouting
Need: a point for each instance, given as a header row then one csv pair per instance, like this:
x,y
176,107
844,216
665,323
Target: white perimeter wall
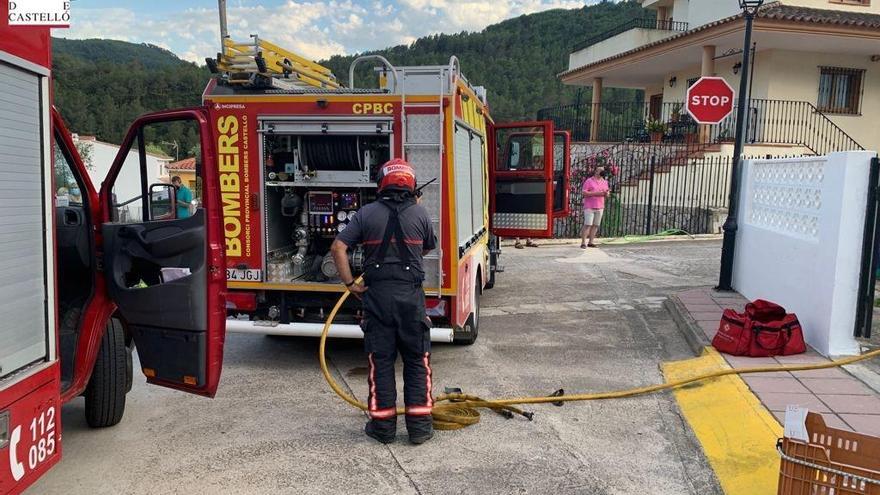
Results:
x,y
799,241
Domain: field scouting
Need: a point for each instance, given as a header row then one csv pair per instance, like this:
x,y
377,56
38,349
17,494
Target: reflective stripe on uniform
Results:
x,y
426,359
418,410
371,378
388,412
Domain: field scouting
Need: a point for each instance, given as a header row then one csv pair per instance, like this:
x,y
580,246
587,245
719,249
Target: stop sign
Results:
x,y
710,100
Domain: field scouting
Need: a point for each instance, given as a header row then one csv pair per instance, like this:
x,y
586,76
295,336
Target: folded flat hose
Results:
x,y
455,411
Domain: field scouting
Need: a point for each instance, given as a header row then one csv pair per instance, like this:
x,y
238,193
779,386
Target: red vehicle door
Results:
x,y
561,173
163,259
521,179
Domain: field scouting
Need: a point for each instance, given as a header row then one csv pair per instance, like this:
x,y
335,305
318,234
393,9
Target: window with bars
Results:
x,y
840,90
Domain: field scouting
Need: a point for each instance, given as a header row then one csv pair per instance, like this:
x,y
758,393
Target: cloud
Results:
x,y
315,28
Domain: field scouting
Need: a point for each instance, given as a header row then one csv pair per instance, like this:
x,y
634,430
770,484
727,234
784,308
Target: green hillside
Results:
x,y
102,85
517,60
113,51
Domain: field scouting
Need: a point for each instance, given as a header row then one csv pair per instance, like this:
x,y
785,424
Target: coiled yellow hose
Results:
x,y
455,411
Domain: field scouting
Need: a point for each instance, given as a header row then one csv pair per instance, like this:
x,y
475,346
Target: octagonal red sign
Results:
x,y
710,100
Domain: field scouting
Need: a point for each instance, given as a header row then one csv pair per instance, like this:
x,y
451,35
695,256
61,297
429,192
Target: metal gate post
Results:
x,y
650,195
870,242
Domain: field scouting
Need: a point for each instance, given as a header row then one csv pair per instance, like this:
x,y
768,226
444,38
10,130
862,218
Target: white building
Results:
x,y
816,70
101,156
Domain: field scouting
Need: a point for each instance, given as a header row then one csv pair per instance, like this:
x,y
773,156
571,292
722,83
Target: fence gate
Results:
x,y
870,255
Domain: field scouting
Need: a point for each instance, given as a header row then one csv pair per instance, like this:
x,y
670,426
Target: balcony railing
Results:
x,y
796,123
638,22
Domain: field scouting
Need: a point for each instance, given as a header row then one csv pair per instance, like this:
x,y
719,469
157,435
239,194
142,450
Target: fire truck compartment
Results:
x,y
25,303
317,173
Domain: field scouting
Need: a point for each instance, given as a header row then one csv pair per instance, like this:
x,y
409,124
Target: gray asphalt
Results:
x,y
558,317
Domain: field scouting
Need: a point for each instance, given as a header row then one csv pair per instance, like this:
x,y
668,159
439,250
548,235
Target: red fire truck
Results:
x,y
89,275
298,156
285,156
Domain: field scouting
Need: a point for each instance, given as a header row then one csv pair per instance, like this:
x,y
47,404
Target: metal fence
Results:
x,y
655,188
668,173
797,123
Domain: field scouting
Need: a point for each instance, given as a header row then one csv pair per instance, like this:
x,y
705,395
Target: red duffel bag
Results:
x,y
764,330
779,337
734,334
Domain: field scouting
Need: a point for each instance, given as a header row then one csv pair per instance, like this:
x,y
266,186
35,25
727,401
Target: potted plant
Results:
x,y
676,111
656,129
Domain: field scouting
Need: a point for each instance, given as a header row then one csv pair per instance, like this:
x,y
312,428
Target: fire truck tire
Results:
x,y
468,335
105,395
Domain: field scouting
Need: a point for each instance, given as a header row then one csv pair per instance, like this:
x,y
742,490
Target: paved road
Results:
x,y
558,317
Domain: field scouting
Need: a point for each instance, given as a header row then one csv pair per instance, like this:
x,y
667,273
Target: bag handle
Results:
x,y
760,308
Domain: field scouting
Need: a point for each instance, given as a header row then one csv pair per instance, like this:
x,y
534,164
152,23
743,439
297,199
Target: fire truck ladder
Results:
x,y
260,62
418,145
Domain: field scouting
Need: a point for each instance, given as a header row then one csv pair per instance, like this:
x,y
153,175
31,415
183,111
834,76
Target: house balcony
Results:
x,y
623,38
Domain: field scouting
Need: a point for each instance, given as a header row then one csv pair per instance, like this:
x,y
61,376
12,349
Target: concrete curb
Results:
x,y
690,330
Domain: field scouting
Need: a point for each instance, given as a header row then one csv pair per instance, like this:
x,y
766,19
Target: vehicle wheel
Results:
x,y
105,394
129,373
468,335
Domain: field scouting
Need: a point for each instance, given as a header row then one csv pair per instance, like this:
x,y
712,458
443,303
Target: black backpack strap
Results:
x,y
394,229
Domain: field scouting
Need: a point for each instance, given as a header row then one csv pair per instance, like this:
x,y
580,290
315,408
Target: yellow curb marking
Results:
x,y
736,431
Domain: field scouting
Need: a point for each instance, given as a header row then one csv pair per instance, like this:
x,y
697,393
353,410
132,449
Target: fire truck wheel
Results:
x,y
105,395
468,334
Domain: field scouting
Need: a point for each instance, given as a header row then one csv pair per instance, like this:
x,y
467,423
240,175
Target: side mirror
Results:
x,y
163,202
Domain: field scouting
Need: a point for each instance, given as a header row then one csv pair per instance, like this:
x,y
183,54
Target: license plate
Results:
x,y
239,275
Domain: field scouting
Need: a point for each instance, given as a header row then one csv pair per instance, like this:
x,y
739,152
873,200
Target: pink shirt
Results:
x,y
593,184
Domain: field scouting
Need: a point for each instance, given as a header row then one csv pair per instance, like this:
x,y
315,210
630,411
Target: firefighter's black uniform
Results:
x,y
395,232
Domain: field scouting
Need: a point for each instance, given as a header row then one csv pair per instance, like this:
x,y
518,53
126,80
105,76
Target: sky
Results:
x,y
314,28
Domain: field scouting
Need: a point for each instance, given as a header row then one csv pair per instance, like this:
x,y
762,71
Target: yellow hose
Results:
x,y
454,411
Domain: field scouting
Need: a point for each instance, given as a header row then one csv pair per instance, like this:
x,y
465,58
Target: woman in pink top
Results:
x,y
595,190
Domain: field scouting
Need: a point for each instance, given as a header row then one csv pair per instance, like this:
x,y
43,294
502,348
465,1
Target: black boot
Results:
x,y
420,428
383,431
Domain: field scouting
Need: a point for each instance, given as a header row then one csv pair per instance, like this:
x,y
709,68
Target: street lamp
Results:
x,y
176,148
728,247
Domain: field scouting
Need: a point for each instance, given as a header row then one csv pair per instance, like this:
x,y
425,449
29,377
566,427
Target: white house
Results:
x,y
101,156
816,81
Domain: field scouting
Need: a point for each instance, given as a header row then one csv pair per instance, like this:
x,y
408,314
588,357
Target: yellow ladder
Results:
x,y
270,60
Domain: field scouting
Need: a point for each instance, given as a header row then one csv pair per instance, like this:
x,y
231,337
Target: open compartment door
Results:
x,y
163,247
521,179
561,173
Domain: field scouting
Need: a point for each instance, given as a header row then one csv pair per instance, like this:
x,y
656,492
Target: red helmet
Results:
x,y
397,174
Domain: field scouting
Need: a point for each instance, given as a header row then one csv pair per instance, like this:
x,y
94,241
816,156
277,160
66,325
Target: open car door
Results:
x,y
163,256
561,173
528,186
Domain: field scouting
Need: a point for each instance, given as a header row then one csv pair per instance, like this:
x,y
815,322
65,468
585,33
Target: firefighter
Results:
x,y
396,233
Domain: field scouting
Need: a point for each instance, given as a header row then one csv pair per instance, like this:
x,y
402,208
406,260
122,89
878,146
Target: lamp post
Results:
x,y
176,149
750,8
